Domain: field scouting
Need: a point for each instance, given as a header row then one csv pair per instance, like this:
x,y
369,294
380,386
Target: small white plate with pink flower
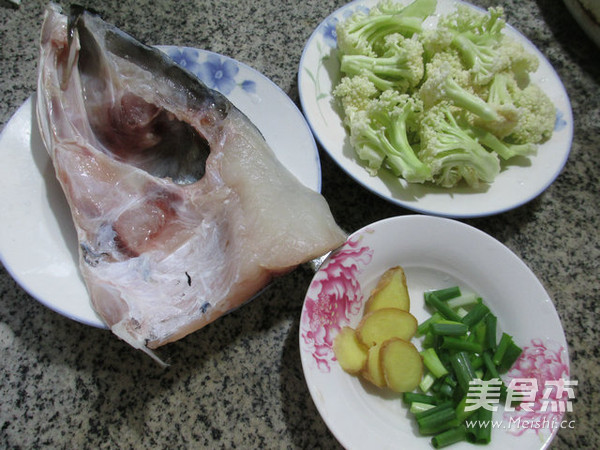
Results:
x,y
434,253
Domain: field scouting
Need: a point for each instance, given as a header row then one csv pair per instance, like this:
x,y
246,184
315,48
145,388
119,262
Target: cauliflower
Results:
x,y
364,34
380,134
400,66
440,104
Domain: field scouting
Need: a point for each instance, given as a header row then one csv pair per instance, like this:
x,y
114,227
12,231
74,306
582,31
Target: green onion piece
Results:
x,y
435,387
449,437
503,345
432,300
476,361
464,300
426,382
461,414
417,407
444,405
433,363
511,354
462,369
477,314
429,340
453,343
449,379
446,390
423,327
478,332
449,328
412,397
446,293
490,332
442,354
490,366
481,432
471,337
461,312
439,419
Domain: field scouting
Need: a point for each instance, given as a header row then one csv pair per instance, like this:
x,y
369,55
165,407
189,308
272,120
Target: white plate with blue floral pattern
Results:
x,y
435,253
516,185
38,243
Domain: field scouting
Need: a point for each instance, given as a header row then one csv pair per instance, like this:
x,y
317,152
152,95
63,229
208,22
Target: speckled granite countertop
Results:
x,y
238,383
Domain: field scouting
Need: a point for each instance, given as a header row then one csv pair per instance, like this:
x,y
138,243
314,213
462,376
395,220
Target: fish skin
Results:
x,y
169,240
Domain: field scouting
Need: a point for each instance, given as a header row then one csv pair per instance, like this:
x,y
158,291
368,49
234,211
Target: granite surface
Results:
x,y
238,383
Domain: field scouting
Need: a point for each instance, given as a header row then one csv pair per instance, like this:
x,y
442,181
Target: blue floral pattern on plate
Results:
x,y
327,52
217,72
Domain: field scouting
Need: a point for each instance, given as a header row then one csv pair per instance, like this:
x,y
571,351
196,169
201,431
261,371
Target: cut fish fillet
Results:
x,y
182,210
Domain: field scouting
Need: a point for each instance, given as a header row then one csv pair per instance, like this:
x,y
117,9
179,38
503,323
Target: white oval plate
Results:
x,y
514,186
38,243
435,253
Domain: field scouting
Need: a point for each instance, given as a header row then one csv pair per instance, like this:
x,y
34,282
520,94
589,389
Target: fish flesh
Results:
x,y
182,210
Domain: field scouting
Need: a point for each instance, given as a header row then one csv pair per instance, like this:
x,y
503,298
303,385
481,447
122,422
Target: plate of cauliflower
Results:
x,y
436,105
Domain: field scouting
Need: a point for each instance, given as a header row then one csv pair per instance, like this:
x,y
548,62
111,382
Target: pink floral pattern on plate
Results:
x,y
333,299
544,363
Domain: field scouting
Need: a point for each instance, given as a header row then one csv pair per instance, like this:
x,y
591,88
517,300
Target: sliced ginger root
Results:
x,y
391,292
350,352
379,349
401,365
384,324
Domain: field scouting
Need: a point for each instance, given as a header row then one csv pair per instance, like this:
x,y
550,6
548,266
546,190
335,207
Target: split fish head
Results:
x,y
129,124
183,212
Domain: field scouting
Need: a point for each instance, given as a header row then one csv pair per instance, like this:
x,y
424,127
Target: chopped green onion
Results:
x,y
449,379
433,301
416,407
449,437
503,345
426,382
452,343
449,328
459,346
433,363
446,293
436,419
464,300
423,327
476,361
477,314
478,331
511,354
490,332
463,369
461,414
490,366
481,432
412,397
429,340
444,405
446,390
461,312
